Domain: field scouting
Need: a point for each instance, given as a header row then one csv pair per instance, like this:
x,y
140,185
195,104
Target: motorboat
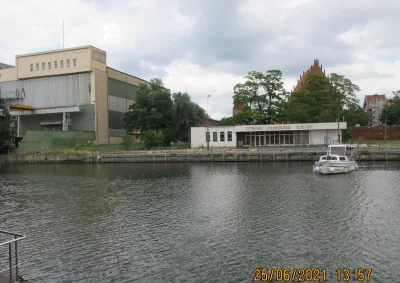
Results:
x,y
339,159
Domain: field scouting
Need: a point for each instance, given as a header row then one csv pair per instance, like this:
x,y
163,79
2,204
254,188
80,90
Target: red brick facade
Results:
x,y
314,69
238,108
375,133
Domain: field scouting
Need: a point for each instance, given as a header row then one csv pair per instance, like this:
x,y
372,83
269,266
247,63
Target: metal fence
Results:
x,y
11,243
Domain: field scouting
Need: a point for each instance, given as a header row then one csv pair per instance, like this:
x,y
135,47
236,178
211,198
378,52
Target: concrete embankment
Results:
x,y
189,157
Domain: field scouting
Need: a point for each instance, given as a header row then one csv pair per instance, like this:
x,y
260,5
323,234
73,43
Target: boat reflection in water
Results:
x,y
339,159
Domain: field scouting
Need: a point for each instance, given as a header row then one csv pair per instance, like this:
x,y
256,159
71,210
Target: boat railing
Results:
x,y
12,253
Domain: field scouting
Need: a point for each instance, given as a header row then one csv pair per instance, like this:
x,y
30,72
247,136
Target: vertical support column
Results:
x,y
18,126
16,260
10,260
65,124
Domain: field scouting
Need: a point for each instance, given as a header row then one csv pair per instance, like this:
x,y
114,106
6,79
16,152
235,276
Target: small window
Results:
x,y
229,136
31,67
55,64
342,158
333,158
68,65
323,158
74,62
49,65
43,66
37,67
215,136
62,64
222,136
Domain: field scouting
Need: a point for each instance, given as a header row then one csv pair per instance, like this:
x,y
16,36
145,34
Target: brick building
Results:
x,y
373,105
314,69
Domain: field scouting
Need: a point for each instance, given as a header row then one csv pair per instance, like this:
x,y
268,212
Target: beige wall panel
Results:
x,y
92,88
134,81
116,140
82,56
101,107
116,75
7,75
99,66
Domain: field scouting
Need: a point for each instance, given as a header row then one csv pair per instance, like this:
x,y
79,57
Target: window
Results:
x,y
43,66
74,62
31,67
229,136
37,67
55,64
222,136
215,136
342,158
49,64
67,63
62,64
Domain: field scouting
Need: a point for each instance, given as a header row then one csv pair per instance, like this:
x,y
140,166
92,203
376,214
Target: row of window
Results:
x,y
221,136
55,65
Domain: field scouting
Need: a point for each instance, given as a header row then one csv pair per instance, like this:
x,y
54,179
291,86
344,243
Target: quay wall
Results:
x,y
190,157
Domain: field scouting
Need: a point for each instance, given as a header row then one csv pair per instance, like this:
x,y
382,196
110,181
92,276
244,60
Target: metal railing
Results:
x,y
17,237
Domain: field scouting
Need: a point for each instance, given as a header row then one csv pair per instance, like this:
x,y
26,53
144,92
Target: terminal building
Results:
x,y
266,135
70,90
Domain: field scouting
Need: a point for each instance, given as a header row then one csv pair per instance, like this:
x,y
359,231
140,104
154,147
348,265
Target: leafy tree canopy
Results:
x,y
263,95
390,114
5,128
156,109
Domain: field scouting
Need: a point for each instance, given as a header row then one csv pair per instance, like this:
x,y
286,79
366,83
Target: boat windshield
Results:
x,y
331,158
338,150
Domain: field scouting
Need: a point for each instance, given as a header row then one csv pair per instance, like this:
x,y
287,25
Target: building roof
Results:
x,y
314,69
370,98
5,66
62,50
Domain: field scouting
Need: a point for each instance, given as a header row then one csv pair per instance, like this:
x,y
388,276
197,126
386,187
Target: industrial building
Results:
x,y
68,90
265,135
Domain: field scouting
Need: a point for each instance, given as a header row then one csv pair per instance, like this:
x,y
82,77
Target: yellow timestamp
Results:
x,y
310,274
355,274
287,275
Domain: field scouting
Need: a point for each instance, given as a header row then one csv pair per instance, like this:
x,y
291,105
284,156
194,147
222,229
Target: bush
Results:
x,y
129,141
151,138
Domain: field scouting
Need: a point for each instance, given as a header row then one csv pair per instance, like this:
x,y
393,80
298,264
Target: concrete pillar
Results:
x,y
18,126
65,123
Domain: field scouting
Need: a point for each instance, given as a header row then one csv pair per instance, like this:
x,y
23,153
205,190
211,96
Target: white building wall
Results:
x,y
198,136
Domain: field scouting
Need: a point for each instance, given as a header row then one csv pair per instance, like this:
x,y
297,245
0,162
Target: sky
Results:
x,y
206,47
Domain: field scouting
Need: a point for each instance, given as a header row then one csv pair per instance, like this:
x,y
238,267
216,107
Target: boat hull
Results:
x,y
328,168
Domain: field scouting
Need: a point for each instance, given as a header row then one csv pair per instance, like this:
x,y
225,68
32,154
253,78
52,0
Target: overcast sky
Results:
x,y
206,47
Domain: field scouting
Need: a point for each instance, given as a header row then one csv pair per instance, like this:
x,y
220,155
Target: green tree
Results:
x,y
263,95
396,94
5,128
390,114
344,91
314,103
187,114
153,110
152,138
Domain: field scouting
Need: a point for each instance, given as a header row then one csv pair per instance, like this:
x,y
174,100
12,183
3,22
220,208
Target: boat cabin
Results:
x,y
333,157
341,150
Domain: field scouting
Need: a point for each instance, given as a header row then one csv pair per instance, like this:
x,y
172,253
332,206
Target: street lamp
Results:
x,y
208,133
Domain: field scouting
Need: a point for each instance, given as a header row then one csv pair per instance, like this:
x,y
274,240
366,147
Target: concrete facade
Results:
x,y
265,135
70,89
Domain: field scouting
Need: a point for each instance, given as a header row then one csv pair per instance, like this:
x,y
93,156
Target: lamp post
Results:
x,y
208,133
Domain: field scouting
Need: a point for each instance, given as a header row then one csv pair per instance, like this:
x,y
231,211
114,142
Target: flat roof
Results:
x,y
61,50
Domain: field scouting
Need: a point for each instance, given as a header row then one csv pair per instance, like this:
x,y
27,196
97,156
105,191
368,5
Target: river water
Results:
x,y
199,222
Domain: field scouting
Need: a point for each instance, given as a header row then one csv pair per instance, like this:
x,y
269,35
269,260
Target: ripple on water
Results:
x,y
199,222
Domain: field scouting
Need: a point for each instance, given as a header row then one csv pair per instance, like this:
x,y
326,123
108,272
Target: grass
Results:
x,y
376,142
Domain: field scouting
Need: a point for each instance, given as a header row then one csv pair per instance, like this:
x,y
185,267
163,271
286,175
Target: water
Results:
x,y
199,222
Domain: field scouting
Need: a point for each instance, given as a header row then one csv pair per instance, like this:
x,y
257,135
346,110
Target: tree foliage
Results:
x,y
156,109
152,138
263,95
344,91
315,103
390,114
5,128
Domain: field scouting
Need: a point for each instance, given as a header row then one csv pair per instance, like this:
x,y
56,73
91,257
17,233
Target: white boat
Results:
x,y
339,159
